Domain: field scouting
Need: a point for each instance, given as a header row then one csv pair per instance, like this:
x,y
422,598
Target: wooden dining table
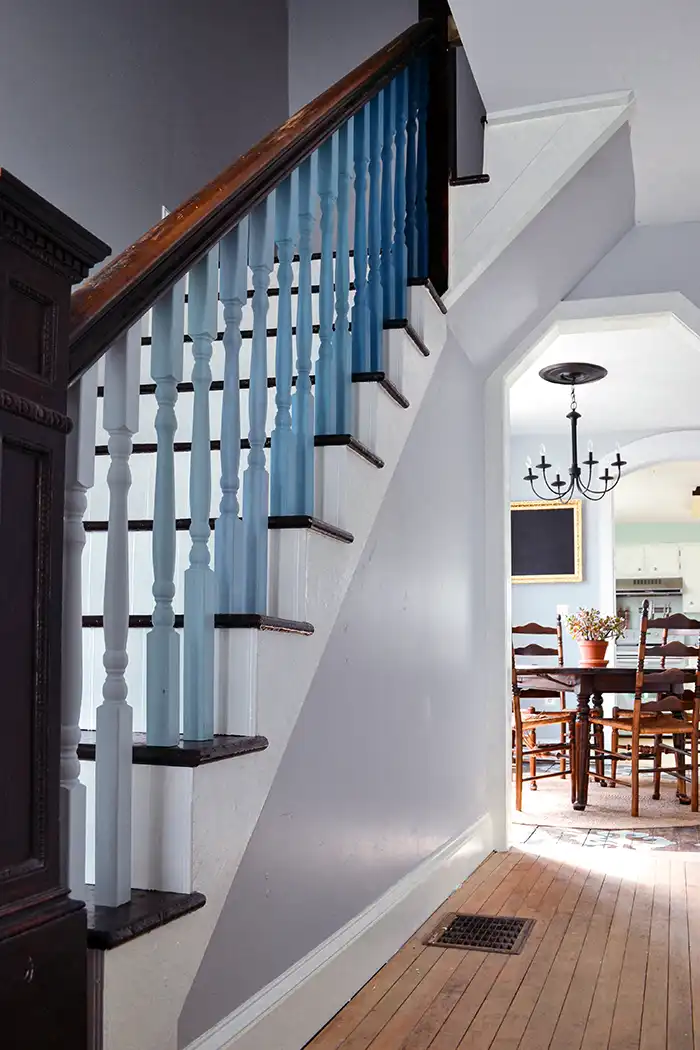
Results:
x,y
590,684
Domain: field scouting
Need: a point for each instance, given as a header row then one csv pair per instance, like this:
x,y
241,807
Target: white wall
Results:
x,y
111,110
375,777
328,38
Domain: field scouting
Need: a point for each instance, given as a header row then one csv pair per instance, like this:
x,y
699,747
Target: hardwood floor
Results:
x,y
612,962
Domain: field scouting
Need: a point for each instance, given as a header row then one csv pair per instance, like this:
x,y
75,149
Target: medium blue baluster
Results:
x,y
256,482
303,400
412,170
374,282
282,456
399,250
325,401
342,344
360,312
388,281
200,583
228,536
163,642
422,179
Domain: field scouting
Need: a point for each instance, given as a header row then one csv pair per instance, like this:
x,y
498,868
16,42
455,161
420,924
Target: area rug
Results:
x,y
608,808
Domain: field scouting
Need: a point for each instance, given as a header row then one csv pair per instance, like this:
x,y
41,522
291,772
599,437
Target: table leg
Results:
x,y
597,706
583,748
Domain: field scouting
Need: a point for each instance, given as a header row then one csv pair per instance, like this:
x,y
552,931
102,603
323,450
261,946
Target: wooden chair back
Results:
x,y
535,649
678,623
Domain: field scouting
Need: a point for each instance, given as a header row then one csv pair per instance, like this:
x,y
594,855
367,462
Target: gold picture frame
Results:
x,y
575,508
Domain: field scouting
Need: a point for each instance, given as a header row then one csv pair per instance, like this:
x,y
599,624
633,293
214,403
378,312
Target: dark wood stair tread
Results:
x,y
224,621
287,521
146,911
149,447
188,753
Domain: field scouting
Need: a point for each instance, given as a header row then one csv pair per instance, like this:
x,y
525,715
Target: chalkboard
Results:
x,y
546,542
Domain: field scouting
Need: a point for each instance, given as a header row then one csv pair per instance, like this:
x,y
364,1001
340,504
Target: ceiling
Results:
x,y
660,493
652,384
545,50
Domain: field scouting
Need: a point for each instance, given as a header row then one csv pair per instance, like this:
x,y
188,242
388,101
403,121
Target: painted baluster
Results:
x,y
374,281
399,249
412,170
388,279
302,399
422,173
325,402
200,584
360,312
256,482
342,341
114,715
282,454
80,476
163,642
228,535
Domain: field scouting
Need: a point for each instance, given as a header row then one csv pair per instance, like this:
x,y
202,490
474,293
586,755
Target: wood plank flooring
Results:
x,y
612,962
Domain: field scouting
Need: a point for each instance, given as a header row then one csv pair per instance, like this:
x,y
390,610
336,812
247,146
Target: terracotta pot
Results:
x,y
593,653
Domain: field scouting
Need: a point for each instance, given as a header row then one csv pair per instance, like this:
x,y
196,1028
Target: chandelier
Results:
x,y
580,474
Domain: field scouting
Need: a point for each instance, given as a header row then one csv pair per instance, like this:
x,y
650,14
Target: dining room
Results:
x,y
604,540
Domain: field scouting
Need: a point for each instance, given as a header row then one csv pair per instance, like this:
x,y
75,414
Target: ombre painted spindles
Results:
x,y
229,551
422,173
302,399
256,482
388,279
163,642
374,281
200,585
325,402
114,739
399,247
412,170
282,453
342,377
360,311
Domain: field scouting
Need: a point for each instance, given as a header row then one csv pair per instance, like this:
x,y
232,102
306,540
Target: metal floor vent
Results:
x,y
482,933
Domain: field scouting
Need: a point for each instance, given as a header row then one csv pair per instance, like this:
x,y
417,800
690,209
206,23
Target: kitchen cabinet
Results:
x,y
690,571
648,559
629,561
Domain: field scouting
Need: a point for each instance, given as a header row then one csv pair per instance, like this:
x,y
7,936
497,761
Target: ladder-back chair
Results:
x,y
654,717
527,722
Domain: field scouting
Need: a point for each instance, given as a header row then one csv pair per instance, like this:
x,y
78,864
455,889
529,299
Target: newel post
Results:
x,y
438,144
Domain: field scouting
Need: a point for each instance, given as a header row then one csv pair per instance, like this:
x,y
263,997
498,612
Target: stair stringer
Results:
x,y
147,979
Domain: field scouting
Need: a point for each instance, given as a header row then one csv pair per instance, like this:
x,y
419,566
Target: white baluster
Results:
x,y
163,642
114,715
80,476
200,585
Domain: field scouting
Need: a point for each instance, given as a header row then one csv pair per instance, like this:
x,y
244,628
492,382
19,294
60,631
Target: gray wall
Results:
x,y
376,775
112,109
328,38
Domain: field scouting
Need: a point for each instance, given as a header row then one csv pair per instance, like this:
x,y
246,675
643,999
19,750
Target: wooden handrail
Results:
x,y
116,297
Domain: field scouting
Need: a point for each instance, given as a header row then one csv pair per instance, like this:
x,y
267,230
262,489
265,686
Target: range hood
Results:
x,y
650,585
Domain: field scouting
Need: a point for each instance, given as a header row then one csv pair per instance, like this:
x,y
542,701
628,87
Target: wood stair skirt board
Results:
x,y
290,1011
320,441
188,753
292,521
148,910
224,621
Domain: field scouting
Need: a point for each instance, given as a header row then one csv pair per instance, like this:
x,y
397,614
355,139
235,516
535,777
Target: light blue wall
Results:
x,y
657,532
378,773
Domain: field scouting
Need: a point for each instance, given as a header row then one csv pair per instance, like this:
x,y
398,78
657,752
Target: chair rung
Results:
x,y
543,776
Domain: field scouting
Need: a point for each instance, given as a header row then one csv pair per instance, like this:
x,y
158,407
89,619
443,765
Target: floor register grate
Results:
x,y
482,933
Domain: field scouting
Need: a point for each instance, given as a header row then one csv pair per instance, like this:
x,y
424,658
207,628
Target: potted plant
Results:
x,y
593,632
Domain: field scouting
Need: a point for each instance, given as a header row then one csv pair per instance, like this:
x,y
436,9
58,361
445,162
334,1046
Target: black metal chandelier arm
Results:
x,y
557,496
597,494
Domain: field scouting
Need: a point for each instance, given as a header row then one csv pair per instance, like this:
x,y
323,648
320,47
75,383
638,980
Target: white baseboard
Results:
x,y
287,1013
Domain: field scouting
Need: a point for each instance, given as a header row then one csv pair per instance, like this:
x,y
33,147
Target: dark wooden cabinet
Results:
x,y
42,931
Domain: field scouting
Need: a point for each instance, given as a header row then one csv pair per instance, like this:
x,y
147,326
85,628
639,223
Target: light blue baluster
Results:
x,y
303,400
412,170
374,282
343,344
325,402
399,250
256,482
200,584
388,280
282,457
163,642
422,177
228,536
360,312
